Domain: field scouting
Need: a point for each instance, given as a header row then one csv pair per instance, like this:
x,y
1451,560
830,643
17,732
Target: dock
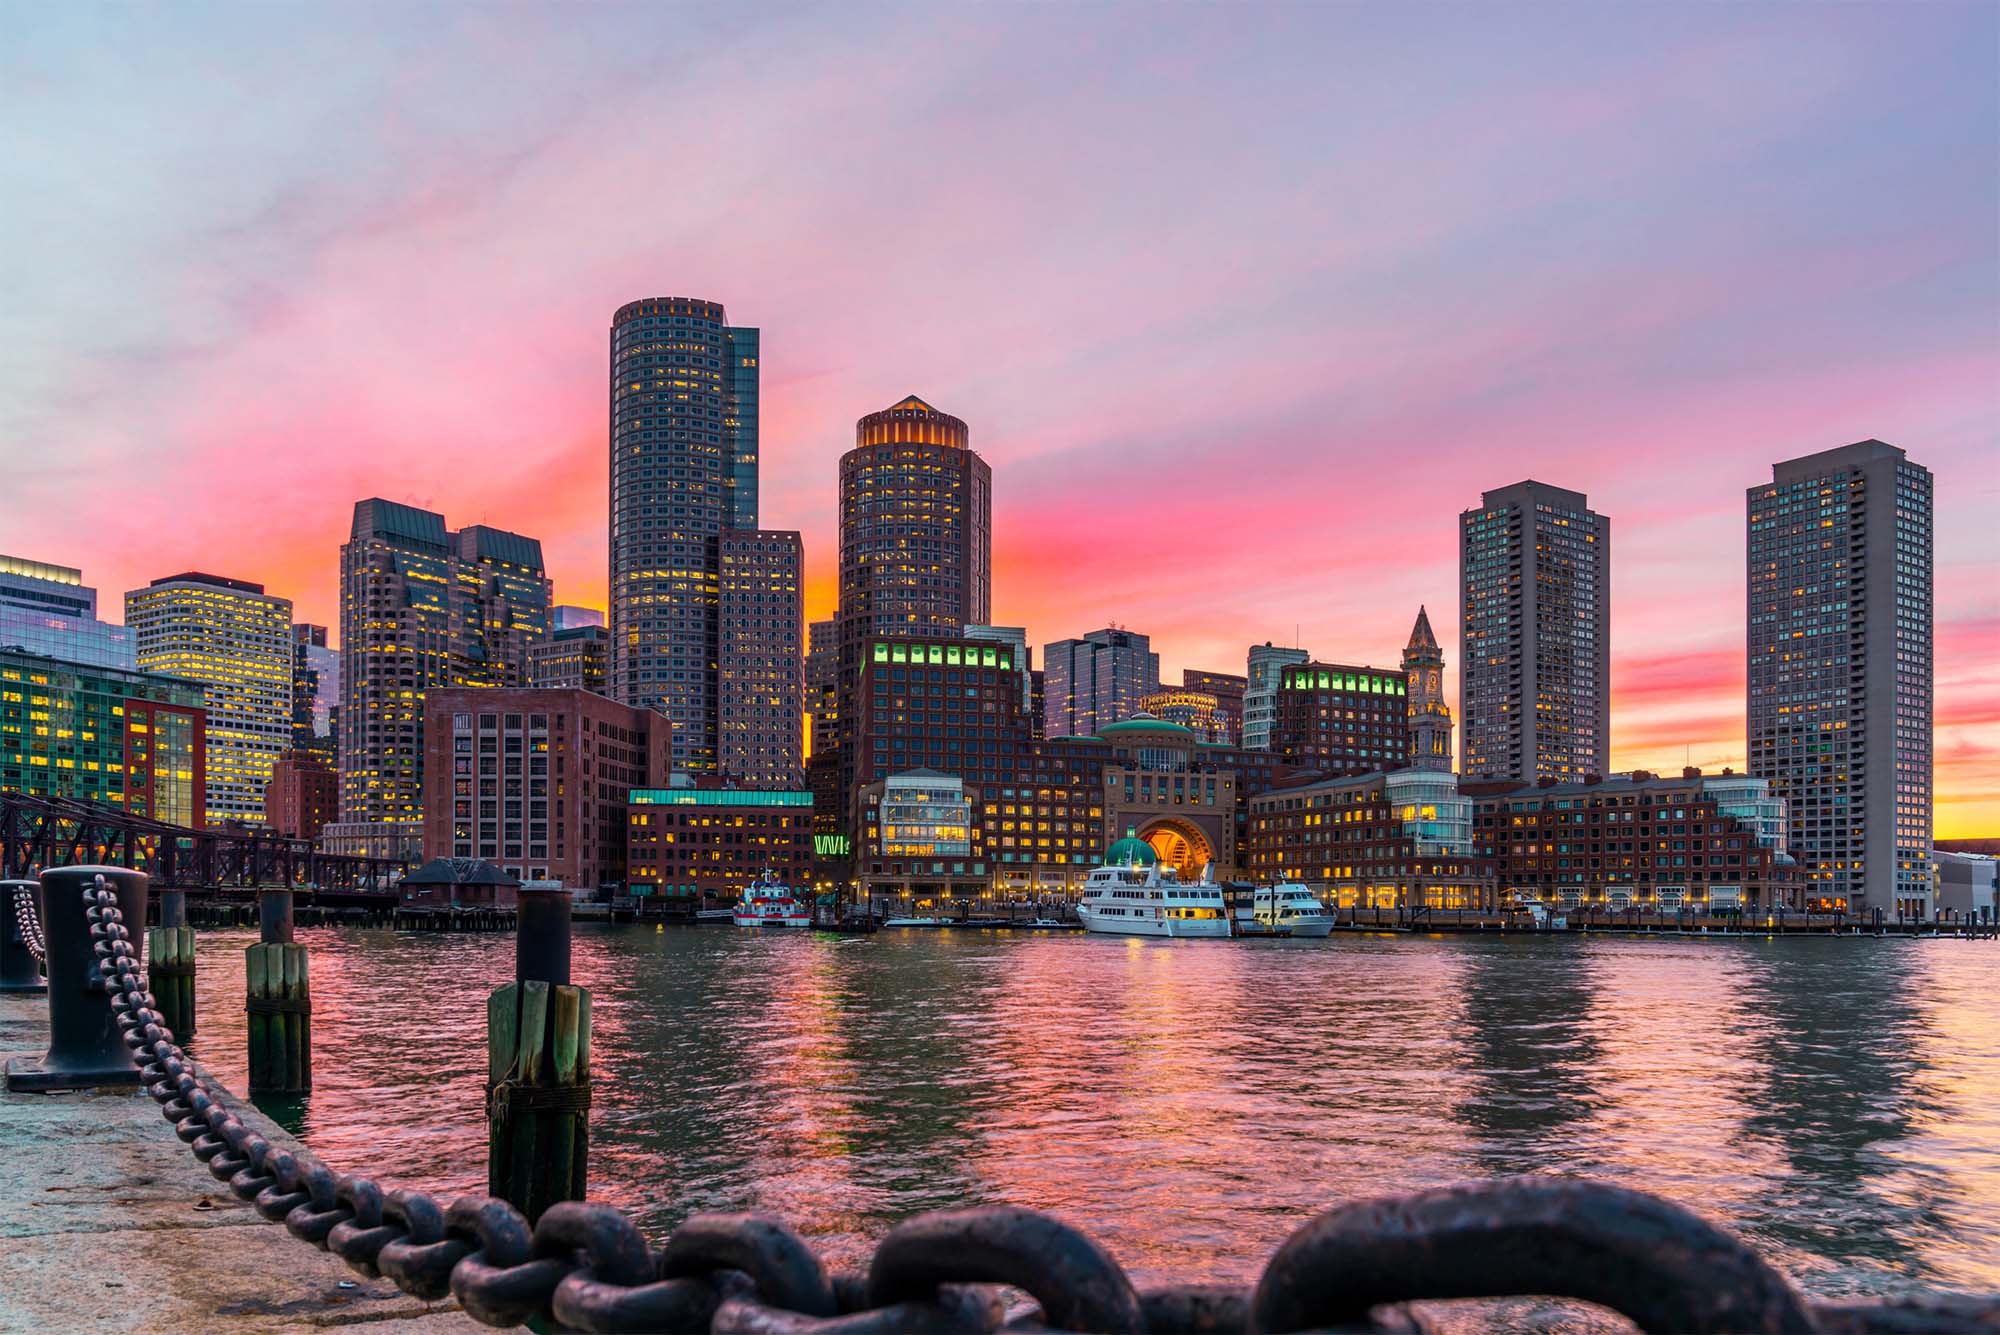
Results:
x,y
108,1223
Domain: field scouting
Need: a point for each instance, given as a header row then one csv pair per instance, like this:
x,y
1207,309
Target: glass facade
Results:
x,y
47,610
102,735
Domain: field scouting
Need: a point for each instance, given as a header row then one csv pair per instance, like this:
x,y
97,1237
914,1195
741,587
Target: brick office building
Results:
x,y
685,845
303,796
535,781
1402,839
1339,718
1643,841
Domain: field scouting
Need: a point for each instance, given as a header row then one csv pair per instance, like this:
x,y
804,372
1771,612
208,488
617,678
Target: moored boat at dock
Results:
x,y
769,902
1132,895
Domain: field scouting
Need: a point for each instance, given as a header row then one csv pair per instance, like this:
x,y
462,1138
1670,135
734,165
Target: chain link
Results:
x,y
586,1267
30,925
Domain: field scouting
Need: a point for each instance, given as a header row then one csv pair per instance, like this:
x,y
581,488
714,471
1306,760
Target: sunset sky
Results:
x,y
1243,303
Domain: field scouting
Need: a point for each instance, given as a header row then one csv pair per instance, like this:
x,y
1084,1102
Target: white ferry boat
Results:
x,y
1284,909
769,902
1132,895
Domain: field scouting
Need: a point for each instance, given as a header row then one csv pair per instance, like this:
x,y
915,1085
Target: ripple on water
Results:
x,y
1191,1103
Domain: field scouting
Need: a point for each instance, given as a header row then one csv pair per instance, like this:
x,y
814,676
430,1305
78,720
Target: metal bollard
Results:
x,y
278,997
20,971
86,1048
538,1065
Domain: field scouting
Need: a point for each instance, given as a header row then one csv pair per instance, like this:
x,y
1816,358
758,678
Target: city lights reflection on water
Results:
x,y
1190,1103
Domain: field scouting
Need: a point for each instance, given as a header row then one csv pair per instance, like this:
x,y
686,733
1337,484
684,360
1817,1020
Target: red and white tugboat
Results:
x,y
768,902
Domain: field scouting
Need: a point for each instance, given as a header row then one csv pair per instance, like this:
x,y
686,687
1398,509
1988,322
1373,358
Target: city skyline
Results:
x,y
1656,357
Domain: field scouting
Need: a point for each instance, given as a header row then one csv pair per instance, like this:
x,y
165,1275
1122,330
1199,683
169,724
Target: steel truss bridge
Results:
x,y
40,832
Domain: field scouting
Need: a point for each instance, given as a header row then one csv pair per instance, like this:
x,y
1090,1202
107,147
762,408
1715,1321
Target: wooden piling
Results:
x,y
170,974
538,1068
280,1017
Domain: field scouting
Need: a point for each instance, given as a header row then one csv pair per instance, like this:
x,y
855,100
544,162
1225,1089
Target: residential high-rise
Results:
x,y
916,544
761,658
48,610
421,608
1534,567
683,468
822,693
315,690
1260,694
235,640
575,658
1840,670
1096,681
1430,716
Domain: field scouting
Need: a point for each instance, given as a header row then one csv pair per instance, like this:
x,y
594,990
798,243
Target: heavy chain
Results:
x,y
30,925
586,1267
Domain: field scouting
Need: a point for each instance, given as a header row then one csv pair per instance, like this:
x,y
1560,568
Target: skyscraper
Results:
x,y
315,690
916,542
574,658
421,608
1260,694
761,658
683,468
236,641
1096,681
1534,566
1227,688
1840,670
1430,716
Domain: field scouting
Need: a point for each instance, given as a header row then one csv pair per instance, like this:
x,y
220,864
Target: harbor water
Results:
x,y
1836,1102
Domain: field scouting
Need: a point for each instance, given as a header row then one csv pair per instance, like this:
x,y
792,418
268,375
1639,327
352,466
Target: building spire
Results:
x,y
1420,634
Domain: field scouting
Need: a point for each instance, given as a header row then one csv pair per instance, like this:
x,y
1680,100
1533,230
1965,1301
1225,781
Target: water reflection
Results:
x,y
1193,1102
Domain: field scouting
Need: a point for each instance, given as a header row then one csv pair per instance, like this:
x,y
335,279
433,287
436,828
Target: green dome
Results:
x,y
1131,851
1144,723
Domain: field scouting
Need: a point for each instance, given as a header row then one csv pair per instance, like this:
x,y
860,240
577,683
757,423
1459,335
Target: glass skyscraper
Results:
x,y
1840,670
48,610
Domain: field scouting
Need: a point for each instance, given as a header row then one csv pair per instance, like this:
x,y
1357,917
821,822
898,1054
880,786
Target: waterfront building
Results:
x,y
576,658
1096,681
1840,670
760,726
315,690
303,796
422,609
684,845
1197,711
1400,839
684,432
1429,715
535,781
103,734
1260,692
568,616
1341,718
235,640
1640,841
1228,689
916,548
925,843
48,611
1966,885
1044,810
1535,635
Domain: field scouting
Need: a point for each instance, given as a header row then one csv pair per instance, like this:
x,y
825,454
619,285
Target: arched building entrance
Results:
x,y
1180,845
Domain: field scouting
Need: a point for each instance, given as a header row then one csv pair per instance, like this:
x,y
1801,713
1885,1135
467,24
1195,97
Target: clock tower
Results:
x,y
1430,717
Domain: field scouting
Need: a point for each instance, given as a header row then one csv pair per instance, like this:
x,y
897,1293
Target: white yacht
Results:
x,y
769,902
1284,909
1132,895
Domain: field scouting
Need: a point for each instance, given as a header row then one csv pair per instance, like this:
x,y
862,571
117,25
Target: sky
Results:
x,y
1244,304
